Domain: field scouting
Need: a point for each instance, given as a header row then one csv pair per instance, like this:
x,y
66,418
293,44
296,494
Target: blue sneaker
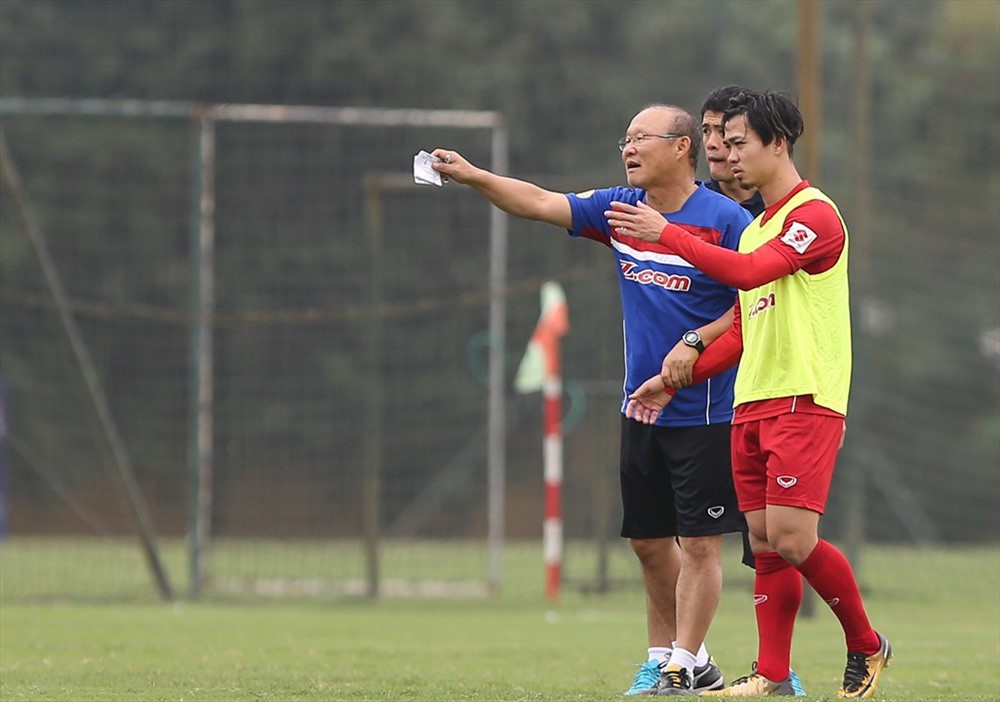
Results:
x,y
645,679
796,684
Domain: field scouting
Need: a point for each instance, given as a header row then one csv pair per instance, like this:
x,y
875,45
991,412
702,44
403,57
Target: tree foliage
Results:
x,y
567,75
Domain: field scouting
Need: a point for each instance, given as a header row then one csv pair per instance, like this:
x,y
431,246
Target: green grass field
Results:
x,y
940,608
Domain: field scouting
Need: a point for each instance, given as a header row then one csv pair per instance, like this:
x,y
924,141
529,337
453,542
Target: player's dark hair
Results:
x,y
718,100
771,114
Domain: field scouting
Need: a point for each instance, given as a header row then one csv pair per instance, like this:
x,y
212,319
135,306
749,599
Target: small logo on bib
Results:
x,y
799,236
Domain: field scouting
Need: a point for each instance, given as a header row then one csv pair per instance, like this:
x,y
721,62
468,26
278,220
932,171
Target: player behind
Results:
x,y
722,179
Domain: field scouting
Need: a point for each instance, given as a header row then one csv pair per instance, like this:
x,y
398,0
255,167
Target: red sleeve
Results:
x,y
741,270
721,354
812,238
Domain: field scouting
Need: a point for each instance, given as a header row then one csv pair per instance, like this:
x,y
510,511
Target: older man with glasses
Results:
x,y
676,482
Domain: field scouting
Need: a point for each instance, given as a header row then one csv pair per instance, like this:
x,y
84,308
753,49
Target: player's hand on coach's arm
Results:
x,y
640,221
678,365
648,400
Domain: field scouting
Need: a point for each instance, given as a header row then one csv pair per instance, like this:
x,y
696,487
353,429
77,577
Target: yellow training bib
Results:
x,y
796,329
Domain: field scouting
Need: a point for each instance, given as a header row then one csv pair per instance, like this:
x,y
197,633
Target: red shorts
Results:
x,y
786,460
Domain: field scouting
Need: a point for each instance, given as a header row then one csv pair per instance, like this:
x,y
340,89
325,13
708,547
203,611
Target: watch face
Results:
x,y
693,339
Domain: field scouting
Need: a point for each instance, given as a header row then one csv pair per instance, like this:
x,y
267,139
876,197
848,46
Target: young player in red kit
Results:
x,y
791,335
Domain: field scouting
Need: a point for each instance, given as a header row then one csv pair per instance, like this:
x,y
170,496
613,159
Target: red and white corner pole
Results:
x,y
541,369
552,541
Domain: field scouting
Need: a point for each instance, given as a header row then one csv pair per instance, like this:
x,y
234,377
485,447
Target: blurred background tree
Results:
x,y
567,75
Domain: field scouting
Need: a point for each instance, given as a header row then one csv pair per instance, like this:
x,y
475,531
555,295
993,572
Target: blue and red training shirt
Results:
x,y
664,296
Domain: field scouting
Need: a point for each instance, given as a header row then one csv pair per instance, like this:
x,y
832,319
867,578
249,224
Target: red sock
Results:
x,y
777,594
831,576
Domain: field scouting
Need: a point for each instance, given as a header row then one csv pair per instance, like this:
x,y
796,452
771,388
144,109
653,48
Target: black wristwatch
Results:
x,y
693,339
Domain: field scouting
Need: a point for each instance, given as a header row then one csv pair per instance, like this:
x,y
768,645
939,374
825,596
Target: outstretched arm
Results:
x,y
741,270
517,197
812,239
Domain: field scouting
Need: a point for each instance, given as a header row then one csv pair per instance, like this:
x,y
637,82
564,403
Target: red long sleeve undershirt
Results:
x,y
741,270
721,354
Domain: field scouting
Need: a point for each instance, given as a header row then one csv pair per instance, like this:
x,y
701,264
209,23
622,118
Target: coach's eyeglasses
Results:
x,y
640,137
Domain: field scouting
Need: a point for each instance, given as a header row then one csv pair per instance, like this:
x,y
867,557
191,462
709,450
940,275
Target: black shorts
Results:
x,y
677,481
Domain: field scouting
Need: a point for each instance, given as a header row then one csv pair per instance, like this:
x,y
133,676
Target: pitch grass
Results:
x,y
940,608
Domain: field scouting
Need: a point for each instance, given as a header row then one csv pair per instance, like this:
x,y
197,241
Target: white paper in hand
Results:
x,y
423,174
